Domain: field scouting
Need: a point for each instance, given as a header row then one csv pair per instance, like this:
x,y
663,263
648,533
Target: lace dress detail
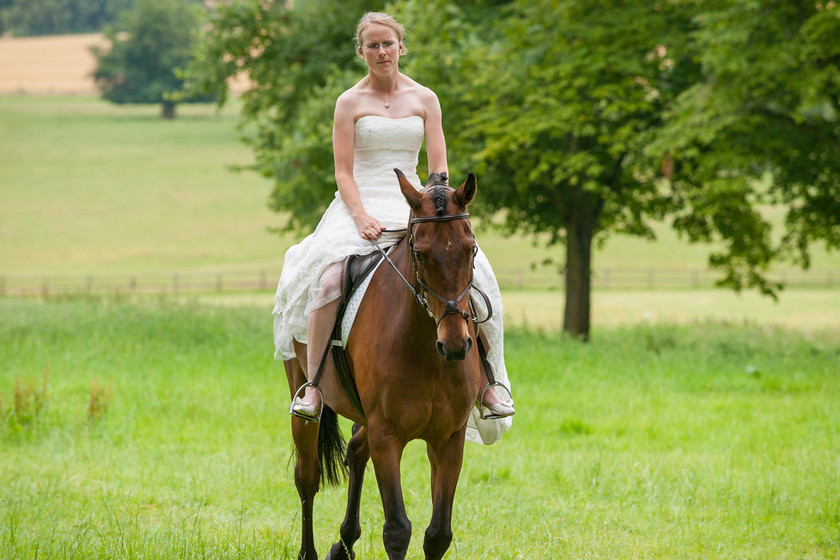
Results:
x,y
381,144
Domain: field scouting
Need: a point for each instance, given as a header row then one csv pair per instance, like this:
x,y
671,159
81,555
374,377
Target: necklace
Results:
x,y
387,103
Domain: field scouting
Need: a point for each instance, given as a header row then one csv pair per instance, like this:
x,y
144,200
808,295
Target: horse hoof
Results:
x,y
339,552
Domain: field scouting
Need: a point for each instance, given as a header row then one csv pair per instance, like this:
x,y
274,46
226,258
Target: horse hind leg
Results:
x,y
358,454
446,459
307,478
307,467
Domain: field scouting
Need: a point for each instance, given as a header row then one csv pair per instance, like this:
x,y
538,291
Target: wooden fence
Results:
x,y
641,278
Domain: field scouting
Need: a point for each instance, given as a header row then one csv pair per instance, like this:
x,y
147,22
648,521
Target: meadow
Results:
x,y
696,424
159,431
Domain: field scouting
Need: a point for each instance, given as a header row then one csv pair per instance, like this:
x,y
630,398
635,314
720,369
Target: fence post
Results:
x,y
262,280
219,283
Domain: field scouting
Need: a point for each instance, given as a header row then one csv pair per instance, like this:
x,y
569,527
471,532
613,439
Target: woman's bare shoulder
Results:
x,y
349,97
418,89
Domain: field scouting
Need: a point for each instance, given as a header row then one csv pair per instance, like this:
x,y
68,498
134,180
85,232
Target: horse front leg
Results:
x,y
446,458
358,454
386,453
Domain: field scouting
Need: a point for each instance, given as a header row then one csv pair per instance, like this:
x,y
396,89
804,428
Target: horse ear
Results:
x,y
466,192
409,192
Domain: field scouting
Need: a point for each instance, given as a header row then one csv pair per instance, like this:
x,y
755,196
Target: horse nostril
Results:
x,y
469,345
442,351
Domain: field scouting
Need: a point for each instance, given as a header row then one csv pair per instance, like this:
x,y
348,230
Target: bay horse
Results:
x,y
407,389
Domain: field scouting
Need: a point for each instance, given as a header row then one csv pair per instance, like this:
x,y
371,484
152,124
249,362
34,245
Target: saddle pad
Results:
x,y
354,303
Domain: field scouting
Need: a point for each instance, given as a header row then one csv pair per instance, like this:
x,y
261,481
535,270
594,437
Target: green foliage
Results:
x,y
149,43
571,91
759,128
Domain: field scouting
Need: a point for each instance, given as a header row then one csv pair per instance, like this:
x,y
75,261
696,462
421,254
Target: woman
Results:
x,y
379,124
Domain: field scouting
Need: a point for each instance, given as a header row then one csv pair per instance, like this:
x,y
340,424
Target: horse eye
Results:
x,y
418,256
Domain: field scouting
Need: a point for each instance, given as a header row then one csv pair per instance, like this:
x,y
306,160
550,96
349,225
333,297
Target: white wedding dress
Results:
x,y
381,144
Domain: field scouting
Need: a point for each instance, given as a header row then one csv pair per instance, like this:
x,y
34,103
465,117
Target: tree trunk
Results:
x,y
167,110
580,230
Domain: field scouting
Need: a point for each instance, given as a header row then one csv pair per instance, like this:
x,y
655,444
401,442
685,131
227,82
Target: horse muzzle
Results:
x,y
451,352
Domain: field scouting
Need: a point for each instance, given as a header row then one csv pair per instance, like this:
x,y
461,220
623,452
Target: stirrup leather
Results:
x,y
298,414
483,410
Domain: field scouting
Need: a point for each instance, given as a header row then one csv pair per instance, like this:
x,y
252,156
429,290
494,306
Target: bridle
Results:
x,y
451,306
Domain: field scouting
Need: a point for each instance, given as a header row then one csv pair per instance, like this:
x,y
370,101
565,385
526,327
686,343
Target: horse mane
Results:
x,y
439,196
437,187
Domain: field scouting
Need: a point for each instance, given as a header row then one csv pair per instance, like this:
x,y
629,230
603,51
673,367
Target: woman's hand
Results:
x,y
367,226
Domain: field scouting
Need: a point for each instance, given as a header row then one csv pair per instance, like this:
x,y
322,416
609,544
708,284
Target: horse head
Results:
x,y
442,251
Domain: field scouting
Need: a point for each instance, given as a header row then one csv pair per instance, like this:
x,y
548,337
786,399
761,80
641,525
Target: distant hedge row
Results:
x,y
58,17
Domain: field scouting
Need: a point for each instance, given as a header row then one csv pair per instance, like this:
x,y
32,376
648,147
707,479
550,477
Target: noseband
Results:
x,y
451,306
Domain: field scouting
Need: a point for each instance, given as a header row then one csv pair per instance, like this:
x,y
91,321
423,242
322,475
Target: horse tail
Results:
x,y
332,449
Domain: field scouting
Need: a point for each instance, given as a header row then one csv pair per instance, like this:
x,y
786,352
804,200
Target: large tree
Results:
x,y
148,45
562,105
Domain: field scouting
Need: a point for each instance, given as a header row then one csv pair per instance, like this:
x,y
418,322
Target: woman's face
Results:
x,y
380,48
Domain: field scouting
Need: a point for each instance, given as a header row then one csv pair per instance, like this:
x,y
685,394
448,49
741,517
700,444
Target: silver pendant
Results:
x,y
387,105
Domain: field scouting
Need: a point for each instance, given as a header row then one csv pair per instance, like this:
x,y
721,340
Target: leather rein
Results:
x,y
451,306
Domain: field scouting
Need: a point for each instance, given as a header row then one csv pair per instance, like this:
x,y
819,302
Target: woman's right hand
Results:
x,y
367,226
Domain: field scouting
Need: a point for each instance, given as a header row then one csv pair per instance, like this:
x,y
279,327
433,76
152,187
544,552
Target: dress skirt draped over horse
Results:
x,y
381,144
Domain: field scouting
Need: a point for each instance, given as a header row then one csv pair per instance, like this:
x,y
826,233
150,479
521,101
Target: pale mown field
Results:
x,y
48,65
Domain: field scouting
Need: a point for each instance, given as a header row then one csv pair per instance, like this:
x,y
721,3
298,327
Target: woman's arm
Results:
x,y
435,140
344,131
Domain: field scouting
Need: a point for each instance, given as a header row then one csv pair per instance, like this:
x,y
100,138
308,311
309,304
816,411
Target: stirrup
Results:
x,y
304,416
489,415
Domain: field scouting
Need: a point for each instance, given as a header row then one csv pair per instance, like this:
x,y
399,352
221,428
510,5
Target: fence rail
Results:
x,y
647,278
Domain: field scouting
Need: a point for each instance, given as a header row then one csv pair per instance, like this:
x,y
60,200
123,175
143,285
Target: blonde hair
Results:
x,y
382,19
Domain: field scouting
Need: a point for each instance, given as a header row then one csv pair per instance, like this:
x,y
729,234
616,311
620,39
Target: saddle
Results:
x,y
356,269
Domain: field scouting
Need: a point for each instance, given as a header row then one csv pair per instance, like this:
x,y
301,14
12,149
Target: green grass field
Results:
x,y
159,431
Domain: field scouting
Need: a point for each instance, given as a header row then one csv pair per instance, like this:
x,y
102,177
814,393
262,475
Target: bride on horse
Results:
x,y
379,125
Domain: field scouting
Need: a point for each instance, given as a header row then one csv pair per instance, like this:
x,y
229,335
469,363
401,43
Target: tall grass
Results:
x,y
710,440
